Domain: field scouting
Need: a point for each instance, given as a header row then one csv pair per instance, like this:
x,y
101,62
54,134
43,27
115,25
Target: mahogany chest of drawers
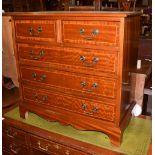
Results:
x,y
74,67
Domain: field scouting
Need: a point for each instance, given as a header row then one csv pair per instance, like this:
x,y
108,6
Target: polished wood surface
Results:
x,y
35,30
130,57
52,147
70,59
14,133
13,147
41,142
107,32
56,53
94,109
47,14
71,82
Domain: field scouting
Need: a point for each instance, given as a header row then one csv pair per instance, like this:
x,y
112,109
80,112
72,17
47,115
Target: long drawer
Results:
x,y
87,32
97,109
71,82
102,61
52,147
36,30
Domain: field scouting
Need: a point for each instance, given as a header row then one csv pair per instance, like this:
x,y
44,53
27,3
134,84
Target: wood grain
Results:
x,y
70,58
96,109
48,32
54,138
71,82
107,32
66,71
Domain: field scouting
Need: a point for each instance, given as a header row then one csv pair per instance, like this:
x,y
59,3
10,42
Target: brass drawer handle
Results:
x,y
38,78
14,148
43,77
88,113
93,34
56,146
82,31
83,83
31,31
40,98
94,61
44,98
40,29
94,86
34,76
88,38
82,58
94,109
11,135
84,106
67,152
45,148
36,57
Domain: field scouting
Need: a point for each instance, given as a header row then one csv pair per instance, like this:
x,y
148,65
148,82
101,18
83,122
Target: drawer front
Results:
x,y
91,32
52,147
93,108
14,147
39,30
71,82
14,134
80,59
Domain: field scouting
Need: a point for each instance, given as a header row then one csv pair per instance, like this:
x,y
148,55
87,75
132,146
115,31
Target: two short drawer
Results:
x,y
77,32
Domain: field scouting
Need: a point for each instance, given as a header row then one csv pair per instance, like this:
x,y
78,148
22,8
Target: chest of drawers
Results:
x,y
74,67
